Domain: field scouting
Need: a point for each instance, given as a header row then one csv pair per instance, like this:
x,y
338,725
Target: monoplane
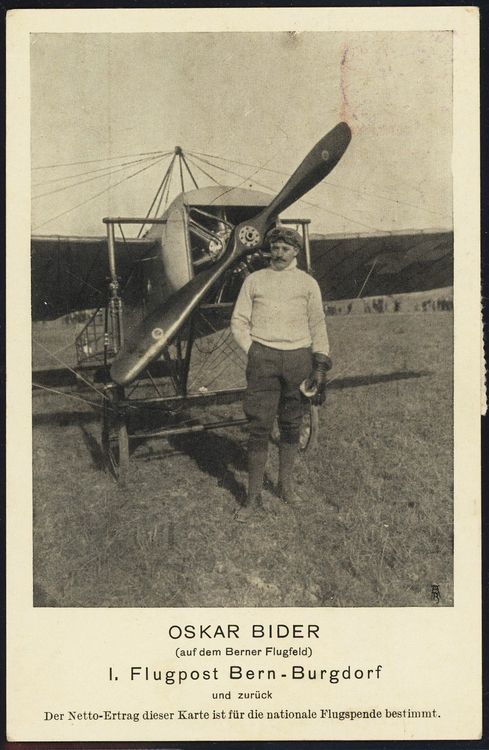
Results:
x,y
154,296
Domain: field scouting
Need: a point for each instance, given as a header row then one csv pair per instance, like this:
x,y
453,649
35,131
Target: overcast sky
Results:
x,y
257,98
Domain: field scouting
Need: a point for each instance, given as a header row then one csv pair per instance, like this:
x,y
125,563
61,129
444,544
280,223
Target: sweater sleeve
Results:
x,y
317,320
241,317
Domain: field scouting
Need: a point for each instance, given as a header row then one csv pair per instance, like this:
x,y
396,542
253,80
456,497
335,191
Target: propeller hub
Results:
x,y
249,236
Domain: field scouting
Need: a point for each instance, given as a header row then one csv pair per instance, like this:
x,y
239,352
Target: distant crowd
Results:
x,y
370,305
434,305
388,305
80,316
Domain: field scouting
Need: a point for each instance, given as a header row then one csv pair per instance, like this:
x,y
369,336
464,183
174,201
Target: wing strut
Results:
x,y
182,158
160,192
164,185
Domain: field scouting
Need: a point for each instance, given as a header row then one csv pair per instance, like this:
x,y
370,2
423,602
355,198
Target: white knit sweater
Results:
x,y
281,309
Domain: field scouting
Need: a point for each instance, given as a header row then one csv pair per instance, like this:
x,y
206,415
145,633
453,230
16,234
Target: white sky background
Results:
x,y
261,98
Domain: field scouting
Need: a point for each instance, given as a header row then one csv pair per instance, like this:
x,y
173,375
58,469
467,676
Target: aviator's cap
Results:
x,y
285,234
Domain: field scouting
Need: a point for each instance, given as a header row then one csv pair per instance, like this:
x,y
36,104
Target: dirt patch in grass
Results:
x,y
373,526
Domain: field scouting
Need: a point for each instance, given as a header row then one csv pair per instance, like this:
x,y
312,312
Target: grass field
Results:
x,y
374,523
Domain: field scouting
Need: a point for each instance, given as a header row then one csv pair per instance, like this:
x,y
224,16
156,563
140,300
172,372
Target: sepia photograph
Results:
x,y
243,375
242,306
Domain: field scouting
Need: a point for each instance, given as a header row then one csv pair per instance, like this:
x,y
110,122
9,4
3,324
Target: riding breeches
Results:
x,y
273,378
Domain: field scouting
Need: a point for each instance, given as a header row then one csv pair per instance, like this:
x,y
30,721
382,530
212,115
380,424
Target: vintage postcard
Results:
x,y
244,360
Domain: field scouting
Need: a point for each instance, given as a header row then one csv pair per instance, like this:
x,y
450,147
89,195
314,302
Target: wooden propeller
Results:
x,y
148,339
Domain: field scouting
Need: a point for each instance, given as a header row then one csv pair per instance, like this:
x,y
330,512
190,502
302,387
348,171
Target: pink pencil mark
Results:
x,y
343,73
346,114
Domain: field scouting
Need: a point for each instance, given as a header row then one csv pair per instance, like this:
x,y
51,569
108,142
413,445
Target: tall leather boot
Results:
x,y
287,457
257,461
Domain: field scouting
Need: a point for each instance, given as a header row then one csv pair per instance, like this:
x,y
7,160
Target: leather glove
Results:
x,y
317,379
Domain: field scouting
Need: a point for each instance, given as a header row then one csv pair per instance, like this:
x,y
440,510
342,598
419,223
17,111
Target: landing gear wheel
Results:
x,y
308,439
115,438
123,445
309,429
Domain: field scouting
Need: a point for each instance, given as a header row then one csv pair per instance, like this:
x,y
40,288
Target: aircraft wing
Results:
x,y
71,273
366,265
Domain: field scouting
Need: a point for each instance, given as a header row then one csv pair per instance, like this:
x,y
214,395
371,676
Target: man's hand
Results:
x,y
317,379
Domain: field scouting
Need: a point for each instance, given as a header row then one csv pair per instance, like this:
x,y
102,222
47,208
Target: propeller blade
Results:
x,y
147,340
319,162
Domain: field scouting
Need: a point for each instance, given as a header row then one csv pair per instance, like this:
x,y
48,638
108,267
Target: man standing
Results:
x,y
279,322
